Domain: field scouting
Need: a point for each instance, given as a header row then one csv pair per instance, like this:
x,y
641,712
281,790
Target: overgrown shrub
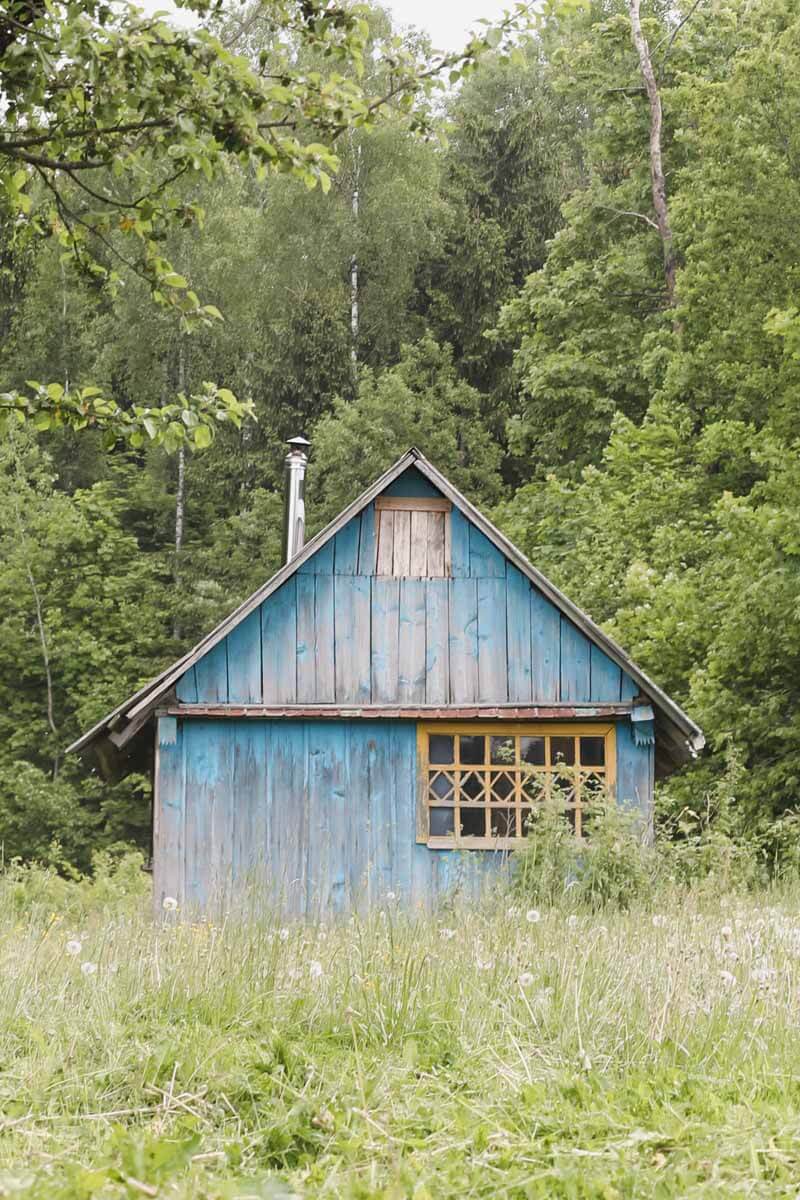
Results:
x,y
614,865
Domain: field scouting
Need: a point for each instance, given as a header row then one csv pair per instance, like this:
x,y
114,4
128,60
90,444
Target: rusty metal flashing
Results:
x,y
457,712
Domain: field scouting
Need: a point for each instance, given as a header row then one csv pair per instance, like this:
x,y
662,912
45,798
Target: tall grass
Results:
x,y
486,1051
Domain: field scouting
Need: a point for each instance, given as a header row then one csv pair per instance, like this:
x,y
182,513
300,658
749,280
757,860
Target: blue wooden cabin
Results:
x,y
385,713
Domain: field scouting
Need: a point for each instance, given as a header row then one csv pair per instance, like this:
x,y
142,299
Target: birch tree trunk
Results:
x,y
354,310
657,180
180,491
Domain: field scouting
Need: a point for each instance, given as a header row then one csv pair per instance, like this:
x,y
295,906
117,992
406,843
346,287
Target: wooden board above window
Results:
x,y
413,536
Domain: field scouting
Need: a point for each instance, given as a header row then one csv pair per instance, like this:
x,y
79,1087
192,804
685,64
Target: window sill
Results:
x,y
476,843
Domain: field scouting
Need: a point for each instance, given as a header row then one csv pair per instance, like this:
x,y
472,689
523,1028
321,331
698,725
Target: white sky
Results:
x,y
447,21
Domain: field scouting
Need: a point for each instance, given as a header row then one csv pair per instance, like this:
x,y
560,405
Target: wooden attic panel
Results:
x,y
320,563
629,688
279,644
575,663
463,640
352,638
492,646
401,557
438,559
315,640
605,676
545,649
437,639
211,672
385,620
385,558
518,627
459,544
244,661
411,641
485,560
368,541
186,687
346,544
420,536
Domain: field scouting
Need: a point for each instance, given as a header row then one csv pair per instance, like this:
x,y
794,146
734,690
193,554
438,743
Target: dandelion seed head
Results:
x,y
447,934
88,968
169,904
572,921
73,947
283,935
659,921
525,979
533,916
315,969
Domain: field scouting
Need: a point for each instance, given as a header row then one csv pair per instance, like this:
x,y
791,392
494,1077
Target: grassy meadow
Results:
x,y
493,1051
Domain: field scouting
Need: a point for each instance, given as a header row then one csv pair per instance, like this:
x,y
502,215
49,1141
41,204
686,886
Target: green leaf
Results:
x,y
203,437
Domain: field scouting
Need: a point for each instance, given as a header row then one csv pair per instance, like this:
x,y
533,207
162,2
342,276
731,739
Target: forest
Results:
x,y
483,275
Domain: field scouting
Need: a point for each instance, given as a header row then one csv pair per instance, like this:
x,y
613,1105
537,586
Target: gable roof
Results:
x,y
683,737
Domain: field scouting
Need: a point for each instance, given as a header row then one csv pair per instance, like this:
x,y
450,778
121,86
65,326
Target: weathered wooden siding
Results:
x,y
311,816
335,633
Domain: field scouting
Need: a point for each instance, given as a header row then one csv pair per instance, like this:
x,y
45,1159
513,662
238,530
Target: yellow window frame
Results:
x,y
520,803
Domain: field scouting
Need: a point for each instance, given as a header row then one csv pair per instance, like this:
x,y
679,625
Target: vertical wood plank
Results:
x,y
606,677
324,640
492,645
169,823
411,674
289,816
385,541
385,640
352,638
368,541
320,563
545,648
186,687
436,544
629,689
418,560
211,672
244,661
459,544
518,629
575,663
403,755
279,644
220,851
307,638
635,772
484,557
437,642
345,552
401,562
250,818
463,640
208,813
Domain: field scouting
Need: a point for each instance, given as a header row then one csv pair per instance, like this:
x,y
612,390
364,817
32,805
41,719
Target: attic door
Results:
x,y
413,536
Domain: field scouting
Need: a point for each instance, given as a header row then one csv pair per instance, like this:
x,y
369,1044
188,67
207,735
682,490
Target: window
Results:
x,y
479,785
413,536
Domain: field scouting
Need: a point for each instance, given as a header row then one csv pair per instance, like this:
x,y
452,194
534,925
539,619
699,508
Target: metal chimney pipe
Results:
x,y
294,505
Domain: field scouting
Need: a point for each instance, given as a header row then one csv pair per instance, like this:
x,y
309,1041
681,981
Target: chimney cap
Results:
x,y
298,443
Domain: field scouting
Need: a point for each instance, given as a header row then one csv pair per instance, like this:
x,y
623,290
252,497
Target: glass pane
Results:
x,y
503,822
473,822
442,822
534,785
442,786
440,747
503,750
472,787
532,750
501,785
472,748
562,750
526,821
593,751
